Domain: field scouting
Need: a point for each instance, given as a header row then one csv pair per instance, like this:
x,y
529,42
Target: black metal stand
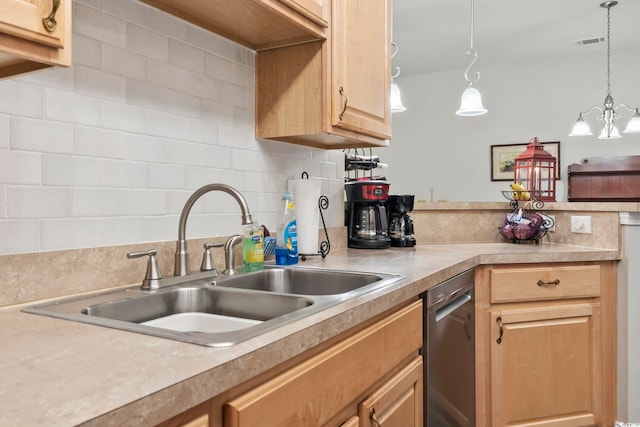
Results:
x,y
532,205
325,245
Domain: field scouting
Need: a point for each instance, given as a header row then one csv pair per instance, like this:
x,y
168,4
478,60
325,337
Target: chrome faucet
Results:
x,y
182,255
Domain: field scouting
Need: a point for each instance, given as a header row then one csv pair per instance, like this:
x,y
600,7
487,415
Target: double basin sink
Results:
x,y
219,311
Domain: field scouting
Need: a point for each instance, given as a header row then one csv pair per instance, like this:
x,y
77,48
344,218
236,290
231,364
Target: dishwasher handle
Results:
x,y
453,305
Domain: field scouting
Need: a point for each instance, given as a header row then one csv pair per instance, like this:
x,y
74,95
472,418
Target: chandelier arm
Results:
x,y
396,73
631,109
586,113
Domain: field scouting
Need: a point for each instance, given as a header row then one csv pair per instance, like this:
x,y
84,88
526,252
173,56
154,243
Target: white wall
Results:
x,y
107,151
432,147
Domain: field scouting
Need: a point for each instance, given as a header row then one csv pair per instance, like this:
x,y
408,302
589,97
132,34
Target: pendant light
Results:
x,y
471,102
395,99
608,114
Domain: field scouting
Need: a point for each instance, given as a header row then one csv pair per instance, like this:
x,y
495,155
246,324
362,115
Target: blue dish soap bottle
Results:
x,y
287,233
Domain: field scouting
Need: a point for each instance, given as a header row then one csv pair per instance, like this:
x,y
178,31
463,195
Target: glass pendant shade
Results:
x,y
471,103
634,123
581,128
395,99
615,134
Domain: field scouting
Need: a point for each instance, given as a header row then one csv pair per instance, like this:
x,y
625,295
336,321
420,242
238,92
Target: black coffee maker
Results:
x,y
400,223
366,214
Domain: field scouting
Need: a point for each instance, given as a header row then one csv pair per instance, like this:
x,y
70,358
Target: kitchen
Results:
x,y
105,166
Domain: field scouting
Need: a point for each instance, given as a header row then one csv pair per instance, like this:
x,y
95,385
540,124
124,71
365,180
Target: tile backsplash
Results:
x,y
107,151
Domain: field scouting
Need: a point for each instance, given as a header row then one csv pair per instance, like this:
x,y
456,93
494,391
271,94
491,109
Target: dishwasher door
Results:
x,y
449,353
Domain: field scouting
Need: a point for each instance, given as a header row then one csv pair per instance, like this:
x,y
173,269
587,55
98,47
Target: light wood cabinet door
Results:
x,y
316,390
32,36
545,365
361,37
397,403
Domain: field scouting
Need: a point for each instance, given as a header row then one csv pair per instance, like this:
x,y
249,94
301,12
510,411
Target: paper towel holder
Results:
x,y
325,245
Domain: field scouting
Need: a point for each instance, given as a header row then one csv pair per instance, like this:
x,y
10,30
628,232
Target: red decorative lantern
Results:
x,y
536,169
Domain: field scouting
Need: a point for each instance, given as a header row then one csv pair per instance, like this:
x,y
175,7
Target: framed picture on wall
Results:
x,y
503,157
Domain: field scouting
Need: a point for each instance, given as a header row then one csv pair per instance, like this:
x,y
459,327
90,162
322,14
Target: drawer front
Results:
x,y
318,388
544,283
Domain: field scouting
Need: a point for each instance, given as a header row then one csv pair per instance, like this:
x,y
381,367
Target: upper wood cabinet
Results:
x,y
332,94
34,34
256,24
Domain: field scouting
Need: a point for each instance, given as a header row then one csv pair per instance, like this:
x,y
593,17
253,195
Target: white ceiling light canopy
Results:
x,y
395,99
471,101
608,114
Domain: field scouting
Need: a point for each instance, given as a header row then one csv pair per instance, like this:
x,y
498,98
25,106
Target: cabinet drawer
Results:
x,y
544,283
318,388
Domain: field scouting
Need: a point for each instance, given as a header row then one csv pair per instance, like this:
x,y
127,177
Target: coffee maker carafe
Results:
x,y
400,223
366,214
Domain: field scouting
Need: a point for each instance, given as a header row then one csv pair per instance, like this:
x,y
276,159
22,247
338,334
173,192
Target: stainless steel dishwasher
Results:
x,y
449,353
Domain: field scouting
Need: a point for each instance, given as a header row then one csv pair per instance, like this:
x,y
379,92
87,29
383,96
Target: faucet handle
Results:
x,y
207,257
152,276
229,259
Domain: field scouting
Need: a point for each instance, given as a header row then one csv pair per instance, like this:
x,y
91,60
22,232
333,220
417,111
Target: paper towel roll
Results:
x,y
306,193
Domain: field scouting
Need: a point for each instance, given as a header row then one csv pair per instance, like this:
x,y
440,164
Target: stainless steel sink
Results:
x,y
222,311
301,281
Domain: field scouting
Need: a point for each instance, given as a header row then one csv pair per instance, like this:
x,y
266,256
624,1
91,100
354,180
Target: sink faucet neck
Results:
x,y
182,255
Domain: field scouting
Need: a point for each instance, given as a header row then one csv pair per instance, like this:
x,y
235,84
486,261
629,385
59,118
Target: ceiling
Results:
x,y
434,35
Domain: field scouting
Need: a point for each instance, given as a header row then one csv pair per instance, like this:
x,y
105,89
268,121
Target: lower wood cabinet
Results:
x,y
376,371
547,356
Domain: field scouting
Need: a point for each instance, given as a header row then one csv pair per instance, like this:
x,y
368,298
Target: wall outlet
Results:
x,y
581,224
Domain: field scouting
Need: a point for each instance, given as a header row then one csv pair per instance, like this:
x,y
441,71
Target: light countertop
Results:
x,y
61,373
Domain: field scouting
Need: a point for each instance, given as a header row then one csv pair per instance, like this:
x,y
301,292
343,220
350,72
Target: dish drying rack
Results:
x,y
355,161
525,222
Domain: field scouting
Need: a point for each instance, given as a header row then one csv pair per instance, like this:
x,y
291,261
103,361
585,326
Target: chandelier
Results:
x,y
395,99
471,102
608,114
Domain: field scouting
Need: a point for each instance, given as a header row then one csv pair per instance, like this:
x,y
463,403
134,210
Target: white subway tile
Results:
x,y
167,125
144,202
145,148
148,43
95,24
184,104
195,154
20,99
125,63
204,131
186,56
97,202
126,230
3,201
230,136
175,200
218,112
99,84
329,170
161,228
235,95
244,117
197,177
82,233
96,142
19,167
146,95
203,86
203,39
119,173
244,76
72,107
132,11
58,77
164,23
96,4
165,176
38,202
19,236
69,171
41,135
218,67
124,117
244,160
166,75
5,131
87,51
